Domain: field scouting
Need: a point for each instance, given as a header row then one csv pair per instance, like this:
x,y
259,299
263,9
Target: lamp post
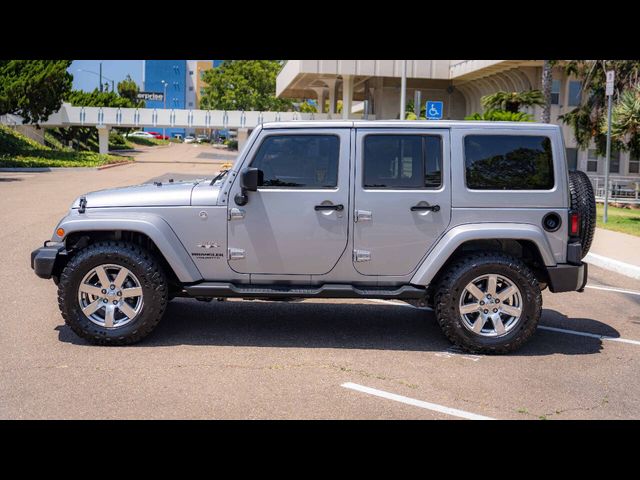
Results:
x,y
165,84
100,75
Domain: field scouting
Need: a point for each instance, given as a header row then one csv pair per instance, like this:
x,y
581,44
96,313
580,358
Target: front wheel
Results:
x,y
112,293
488,303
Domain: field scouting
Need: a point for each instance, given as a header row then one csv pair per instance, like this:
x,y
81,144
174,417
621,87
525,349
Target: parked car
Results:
x,y
142,134
159,136
472,219
189,139
202,138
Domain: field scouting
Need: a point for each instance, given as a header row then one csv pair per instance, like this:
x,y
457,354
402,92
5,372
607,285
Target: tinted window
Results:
x,y
402,161
299,161
508,162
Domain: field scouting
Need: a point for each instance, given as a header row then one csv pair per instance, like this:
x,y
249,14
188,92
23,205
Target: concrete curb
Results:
x,y
112,165
55,169
617,266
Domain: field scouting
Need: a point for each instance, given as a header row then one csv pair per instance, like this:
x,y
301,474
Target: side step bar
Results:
x,y
211,289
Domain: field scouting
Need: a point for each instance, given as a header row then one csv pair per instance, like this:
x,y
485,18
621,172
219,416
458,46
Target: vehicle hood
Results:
x,y
146,195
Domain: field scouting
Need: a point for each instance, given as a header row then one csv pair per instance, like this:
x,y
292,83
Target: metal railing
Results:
x,y
622,189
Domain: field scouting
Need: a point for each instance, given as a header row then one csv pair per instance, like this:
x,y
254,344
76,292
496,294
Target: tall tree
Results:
x,y
547,83
512,101
243,85
127,88
33,89
587,118
625,120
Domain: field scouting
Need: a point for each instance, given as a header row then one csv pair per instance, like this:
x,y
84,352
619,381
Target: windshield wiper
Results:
x,y
219,176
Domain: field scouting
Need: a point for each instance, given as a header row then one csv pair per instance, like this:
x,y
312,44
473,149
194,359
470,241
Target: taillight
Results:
x,y
574,224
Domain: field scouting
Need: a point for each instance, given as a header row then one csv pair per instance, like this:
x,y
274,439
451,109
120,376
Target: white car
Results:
x,y
189,139
141,134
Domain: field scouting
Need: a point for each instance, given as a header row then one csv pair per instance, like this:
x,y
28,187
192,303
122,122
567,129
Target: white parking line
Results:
x,y
416,403
592,335
611,289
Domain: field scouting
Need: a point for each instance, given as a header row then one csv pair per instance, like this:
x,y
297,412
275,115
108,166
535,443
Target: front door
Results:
x,y
402,197
297,220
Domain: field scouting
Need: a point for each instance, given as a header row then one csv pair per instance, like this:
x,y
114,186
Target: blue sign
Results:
x,y
434,110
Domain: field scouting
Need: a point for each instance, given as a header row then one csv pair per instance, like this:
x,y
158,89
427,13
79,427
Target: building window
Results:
x,y
402,161
572,158
614,162
592,160
508,162
191,89
555,92
575,89
634,164
191,104
190,72
298,161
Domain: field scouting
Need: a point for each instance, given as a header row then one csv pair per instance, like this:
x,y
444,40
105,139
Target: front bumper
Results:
x,y
45,259
565,277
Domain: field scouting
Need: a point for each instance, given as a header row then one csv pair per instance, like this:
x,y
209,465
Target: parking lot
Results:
x,y
324,359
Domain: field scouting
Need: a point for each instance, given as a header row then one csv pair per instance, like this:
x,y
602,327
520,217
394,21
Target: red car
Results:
x,y
159,136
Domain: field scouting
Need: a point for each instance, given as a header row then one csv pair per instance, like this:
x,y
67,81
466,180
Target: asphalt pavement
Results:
x,y
324,359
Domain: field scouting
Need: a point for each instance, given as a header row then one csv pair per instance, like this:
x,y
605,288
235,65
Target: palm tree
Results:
x,y
547,82
512,101
625,119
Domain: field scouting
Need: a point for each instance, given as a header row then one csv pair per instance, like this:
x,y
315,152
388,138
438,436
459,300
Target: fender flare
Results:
x,y
151,225
460,234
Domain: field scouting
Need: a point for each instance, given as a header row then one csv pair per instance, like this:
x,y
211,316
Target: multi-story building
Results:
x,y
184,85
460,84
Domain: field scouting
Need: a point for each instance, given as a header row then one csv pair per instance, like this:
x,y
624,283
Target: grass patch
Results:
x,y
147,142
625,220
18,151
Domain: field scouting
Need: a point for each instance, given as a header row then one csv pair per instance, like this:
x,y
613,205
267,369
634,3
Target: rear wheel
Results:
x,y
488,303
112,293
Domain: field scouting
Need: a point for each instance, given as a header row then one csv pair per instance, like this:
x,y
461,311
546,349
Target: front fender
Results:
x,y
455,237
151,225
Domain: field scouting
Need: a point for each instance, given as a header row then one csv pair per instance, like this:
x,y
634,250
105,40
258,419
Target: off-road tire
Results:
x,y
453,282
583,200
139,261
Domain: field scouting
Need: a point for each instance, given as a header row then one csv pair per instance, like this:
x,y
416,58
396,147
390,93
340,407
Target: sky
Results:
x,y
116,70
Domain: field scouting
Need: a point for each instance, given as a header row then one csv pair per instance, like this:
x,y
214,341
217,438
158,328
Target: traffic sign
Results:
x,y
611,76
434,110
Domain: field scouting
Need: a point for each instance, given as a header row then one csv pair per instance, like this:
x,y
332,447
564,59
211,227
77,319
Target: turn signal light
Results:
x,y
60,232
574,224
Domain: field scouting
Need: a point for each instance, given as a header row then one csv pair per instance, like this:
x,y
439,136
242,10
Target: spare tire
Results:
x,y
583,201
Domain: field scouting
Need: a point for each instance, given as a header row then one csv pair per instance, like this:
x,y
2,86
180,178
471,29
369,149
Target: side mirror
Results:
x,y
251,179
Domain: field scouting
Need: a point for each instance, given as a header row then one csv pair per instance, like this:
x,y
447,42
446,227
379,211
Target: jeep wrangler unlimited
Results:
x,y
473,219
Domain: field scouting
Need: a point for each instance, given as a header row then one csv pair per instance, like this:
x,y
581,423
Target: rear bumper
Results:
x,y
43,259
565,277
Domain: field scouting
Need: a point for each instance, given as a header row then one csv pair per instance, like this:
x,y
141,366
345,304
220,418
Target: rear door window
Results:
x,y
508,162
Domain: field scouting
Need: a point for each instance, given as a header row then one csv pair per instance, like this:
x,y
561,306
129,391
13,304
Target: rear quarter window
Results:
x,y
508,162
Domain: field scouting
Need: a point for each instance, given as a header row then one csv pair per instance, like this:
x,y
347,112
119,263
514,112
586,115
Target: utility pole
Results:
x,y
101,76
403,91
165,104
611,75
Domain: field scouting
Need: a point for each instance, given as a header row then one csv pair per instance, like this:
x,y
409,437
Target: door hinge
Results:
x,y
361,256
363,216
236,254
235,214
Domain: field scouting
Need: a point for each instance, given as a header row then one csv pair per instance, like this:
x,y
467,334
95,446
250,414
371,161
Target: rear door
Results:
x,y
402,197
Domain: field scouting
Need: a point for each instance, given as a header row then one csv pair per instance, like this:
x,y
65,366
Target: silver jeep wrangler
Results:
x,y
473,219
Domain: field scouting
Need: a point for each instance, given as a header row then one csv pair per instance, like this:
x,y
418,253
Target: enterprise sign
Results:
x,y
159,96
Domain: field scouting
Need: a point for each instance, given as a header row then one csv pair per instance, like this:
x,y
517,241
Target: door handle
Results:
x,y
433,208
338,207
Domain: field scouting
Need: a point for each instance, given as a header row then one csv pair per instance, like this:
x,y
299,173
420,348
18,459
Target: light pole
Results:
x,y
403,90
165,84
100,75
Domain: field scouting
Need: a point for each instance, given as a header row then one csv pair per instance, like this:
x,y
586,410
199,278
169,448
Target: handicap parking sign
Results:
x,y
434,110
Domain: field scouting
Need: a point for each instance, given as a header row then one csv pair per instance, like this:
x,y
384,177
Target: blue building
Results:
x,y
174,73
